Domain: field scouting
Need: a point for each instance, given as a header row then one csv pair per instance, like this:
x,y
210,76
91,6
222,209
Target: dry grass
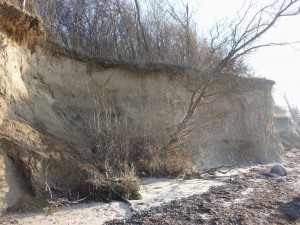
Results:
x,y
97,188
55,171
20,26
159,162
122,148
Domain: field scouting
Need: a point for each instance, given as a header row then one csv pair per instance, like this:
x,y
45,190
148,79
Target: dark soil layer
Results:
x,y
19,26
245,199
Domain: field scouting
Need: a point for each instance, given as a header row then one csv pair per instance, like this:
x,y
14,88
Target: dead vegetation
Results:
x,y
20,26
58,172
121,147
52,170
247,198
104,62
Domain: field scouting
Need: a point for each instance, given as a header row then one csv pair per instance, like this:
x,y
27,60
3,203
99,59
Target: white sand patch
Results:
x,y
154,192
157,191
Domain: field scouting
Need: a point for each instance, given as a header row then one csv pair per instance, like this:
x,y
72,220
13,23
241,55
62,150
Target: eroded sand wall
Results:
x,y
57,95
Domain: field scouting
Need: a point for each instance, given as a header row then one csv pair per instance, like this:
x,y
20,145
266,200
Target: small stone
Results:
x,y
279,170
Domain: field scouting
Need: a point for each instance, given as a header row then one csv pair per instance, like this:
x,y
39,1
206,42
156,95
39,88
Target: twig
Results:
x,y
46,182
64,201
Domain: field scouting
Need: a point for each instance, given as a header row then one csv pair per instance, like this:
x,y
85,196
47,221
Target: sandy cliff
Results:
x,y
48,100
287,131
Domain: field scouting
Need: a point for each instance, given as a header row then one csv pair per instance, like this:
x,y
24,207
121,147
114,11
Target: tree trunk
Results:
x,y
23,5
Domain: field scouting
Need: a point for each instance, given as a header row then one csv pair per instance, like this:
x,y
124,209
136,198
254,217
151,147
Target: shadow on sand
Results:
x,y
291,210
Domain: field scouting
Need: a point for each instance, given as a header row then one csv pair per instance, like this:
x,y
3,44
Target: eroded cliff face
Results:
x,y
49,103
287,131
245,131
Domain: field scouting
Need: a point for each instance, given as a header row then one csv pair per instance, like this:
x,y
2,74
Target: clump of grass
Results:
x,y
106,189
20,26
161,162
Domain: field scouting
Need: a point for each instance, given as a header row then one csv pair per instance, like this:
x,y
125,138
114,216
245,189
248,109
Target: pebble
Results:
x,y
279,170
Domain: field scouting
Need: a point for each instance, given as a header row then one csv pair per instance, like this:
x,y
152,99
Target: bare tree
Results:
x,y
293,110
121,29
141,25
228,45
184,18
124,30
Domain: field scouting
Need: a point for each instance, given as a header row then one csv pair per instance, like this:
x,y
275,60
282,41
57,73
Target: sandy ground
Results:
x,y
154,193
242,196
249,198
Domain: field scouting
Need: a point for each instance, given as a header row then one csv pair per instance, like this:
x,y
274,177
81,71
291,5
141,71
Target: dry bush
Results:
x,y
121,147
91,184
97,188
113,154
56,171
30,5
110,137
20,26
159,162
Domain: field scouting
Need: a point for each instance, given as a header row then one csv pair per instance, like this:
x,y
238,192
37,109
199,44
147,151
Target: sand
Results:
x,y
154,192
